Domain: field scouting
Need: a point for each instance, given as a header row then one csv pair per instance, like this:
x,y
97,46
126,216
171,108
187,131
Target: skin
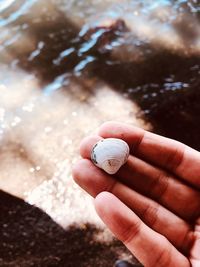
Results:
x,y
152,204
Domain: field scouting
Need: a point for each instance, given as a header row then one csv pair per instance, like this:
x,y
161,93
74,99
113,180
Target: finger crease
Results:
x,y
136,146
111,187
130,233
150,214
188,241
163,259
175,159
161,182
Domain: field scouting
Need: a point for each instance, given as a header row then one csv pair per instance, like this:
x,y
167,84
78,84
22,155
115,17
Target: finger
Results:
x,y
162,187
94,181
164,152
154,183
87,145
149,247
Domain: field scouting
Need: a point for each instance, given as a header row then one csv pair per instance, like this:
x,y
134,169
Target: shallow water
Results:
x,y
68,66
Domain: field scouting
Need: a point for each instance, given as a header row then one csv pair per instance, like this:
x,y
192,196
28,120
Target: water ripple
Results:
x,y
18,13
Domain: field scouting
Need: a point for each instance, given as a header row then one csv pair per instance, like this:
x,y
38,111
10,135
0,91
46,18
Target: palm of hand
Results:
x,y
153,204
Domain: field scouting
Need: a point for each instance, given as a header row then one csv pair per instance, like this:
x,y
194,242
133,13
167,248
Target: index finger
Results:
x,y
163,152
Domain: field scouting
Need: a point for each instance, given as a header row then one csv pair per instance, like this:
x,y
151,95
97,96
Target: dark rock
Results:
x,y
122,263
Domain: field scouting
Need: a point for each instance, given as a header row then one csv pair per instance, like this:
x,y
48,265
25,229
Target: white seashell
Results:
x,y
110,154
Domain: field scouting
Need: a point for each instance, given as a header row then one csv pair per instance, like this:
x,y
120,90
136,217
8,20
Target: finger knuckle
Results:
x,y
174,160
150,214
130,233
163,258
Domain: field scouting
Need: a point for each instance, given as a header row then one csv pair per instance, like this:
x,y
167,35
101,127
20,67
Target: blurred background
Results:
x,y
66,66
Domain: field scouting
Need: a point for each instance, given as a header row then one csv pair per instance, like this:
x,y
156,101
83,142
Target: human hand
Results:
x,y
152,204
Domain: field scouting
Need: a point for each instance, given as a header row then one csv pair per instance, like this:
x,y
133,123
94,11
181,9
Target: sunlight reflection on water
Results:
x,y
68,66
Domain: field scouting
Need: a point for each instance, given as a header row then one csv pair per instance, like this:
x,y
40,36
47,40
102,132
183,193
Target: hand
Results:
x,y
153,203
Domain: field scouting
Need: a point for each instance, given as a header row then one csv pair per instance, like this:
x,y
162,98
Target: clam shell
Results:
x,y
110,154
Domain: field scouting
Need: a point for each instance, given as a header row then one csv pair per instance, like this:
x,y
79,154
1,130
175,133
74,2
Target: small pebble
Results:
x,y
123,263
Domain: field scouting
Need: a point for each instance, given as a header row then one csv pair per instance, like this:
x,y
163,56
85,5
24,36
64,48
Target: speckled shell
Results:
x,y
110,154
